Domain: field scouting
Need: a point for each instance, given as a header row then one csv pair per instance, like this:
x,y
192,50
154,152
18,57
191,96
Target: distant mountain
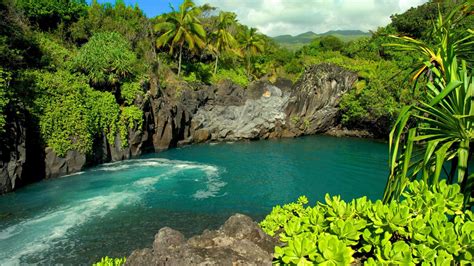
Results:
x,y
346,33
298,41
306,37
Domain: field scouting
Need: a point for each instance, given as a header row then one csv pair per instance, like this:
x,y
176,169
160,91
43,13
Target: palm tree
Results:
x,y
180,28
252,44
221,38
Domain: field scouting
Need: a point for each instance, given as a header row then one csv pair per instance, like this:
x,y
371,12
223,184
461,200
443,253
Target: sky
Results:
x,y
278,17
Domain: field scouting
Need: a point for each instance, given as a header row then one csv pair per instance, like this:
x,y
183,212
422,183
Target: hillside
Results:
x,y
298,41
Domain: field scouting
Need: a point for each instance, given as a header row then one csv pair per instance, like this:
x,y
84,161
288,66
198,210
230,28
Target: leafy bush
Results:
x,y
237,76
54,53
130,90
4,98
71,113
106,59
48,13
106,261
427,227
131,117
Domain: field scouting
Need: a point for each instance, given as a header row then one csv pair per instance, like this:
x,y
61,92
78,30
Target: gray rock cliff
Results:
x,y
198,113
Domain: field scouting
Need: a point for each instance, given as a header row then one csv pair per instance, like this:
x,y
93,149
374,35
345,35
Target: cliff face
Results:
x,y
21,159
220,112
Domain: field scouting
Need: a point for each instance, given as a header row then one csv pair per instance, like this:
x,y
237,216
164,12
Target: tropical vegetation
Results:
x,y
428,227
79,73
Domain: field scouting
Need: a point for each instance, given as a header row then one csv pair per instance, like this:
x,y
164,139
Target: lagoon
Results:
x,y
115,208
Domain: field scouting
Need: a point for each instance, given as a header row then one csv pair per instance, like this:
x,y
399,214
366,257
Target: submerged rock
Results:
x,y
240,241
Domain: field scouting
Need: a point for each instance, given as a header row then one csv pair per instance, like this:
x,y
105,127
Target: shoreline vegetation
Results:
x,y
75,78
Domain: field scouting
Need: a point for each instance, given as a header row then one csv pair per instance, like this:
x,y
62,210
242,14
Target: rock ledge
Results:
x,y
240,241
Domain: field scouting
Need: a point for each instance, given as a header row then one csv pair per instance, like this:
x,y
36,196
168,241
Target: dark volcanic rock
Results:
x,y
238,242
12,154
192,113
313,104
56,166
21,158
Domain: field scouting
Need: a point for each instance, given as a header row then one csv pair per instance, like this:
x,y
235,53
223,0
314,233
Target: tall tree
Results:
x,y
221,38
252,44
180,28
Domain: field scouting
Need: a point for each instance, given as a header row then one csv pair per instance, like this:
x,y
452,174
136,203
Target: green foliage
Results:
x,y
180,28
427,227
131,118
106,59
198,72
5,78
47,14
252,43
106,261
71,113
221,39
330,43
445,45
443,134
237,76
54,54
130,90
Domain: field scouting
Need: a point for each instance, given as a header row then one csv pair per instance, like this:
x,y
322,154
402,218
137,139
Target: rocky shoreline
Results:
x,y
193,114
240,241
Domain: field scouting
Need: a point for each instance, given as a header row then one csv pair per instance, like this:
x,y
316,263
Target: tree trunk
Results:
x,y
248,67
215,67
179,60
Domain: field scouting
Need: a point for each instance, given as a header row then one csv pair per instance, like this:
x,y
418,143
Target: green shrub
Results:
x,y
428,228
106,261
54,54
131,117
237,76
130,90
106,59
71,113
5,78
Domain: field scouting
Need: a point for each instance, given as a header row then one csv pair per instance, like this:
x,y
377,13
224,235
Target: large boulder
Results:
x,y
240,241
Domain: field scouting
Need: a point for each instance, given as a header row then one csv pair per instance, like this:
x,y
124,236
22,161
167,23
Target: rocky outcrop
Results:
x,y
20,158
13,155
313,104
240,241
56,166
253,119
195,113
265,110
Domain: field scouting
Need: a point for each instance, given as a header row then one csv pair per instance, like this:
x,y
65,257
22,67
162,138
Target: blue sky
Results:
x,y
277,17
150,7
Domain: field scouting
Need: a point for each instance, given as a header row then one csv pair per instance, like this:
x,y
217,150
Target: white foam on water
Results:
x,y
213,184
175,168
37,234
73,174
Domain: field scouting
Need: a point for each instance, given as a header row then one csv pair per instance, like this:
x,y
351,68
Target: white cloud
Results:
x,y
276,17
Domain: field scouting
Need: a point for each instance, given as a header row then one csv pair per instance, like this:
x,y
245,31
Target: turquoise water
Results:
x,y
118,207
